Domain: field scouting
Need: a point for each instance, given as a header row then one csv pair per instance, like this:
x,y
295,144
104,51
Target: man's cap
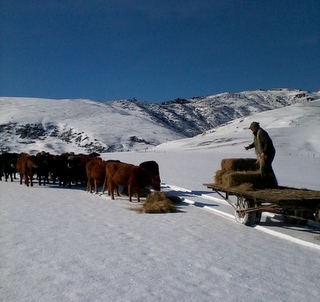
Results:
x,y
254,125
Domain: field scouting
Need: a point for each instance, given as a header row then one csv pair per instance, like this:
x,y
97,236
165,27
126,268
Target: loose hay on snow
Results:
x,y
239,164
158,202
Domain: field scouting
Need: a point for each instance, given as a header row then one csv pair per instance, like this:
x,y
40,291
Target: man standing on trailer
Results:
x,y
265,152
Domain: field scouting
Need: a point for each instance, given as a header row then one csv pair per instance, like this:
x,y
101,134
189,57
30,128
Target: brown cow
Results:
x,y
96,173
111,168
25,167
79,173
95,169
133,177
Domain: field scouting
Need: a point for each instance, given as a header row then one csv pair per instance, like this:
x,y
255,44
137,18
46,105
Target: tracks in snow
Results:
x,y
208,202
271,224
201,200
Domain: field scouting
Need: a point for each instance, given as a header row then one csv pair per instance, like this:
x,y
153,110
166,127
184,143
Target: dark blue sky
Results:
x,y
156,50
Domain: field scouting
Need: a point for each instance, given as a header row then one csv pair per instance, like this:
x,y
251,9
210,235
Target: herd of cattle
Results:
x,y
80,169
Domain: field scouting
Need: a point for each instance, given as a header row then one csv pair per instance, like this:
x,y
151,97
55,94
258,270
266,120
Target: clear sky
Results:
x,y
156,50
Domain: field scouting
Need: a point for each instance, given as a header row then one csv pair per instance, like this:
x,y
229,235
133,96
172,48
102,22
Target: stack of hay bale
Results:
x,y
238,173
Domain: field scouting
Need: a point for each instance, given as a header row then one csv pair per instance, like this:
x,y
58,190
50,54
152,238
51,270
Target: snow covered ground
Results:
x,y
61,244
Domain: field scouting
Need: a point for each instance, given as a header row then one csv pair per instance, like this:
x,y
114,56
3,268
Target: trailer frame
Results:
x,y
296,206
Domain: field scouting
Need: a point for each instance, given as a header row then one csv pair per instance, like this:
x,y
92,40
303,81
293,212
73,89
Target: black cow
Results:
x,y
151,166
8,163
64,165
42,160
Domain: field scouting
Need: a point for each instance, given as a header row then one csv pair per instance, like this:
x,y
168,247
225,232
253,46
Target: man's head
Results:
x,y
254,127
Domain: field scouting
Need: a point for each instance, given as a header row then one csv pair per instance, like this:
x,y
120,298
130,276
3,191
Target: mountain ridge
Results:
x,y
123,125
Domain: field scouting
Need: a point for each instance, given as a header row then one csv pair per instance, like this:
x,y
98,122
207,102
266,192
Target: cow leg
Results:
x,y
88,186
130,193
95,186
21,176
105,184
111,189
53,178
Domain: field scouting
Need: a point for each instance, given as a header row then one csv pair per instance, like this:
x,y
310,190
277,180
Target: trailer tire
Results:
x,y
258,217
247,218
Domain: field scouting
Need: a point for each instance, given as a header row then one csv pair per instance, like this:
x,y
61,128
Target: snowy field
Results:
x,y
61,244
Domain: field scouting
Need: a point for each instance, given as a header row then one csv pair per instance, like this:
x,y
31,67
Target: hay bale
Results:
x,y
241,173
239,164
218,177
235,179
158,202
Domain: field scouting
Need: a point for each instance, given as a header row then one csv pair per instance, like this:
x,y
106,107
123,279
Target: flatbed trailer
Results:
x,y
295,205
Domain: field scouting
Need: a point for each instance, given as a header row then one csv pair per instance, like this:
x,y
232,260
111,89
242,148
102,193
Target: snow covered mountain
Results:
x,y
33,125
294,130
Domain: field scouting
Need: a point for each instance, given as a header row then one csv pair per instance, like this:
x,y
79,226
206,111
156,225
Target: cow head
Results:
x,y
155,182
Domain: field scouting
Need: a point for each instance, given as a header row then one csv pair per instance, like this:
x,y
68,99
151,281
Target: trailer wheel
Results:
x,y
246,218
258,217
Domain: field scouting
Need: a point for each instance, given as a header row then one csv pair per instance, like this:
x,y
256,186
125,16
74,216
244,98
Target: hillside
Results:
x,y
294,130
28,124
